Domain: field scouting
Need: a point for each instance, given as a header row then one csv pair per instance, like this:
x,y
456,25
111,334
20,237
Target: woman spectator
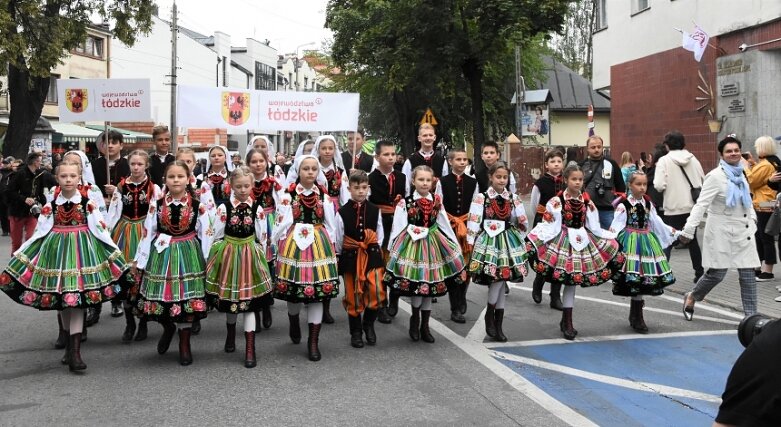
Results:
x,y
764,199
728,240
627,165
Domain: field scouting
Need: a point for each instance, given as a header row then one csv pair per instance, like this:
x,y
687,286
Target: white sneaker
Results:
x,y
778,299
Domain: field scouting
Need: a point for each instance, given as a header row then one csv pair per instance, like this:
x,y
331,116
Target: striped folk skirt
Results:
x,y
127,234
646,271
237,275
421,268
67,268
308,275
502,257
172,287
559,262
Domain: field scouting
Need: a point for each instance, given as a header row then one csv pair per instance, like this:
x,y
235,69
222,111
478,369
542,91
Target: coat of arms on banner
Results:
x,y
235,107
76,100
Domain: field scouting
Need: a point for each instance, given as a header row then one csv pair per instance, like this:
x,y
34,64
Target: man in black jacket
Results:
x,y
25,196
5,173
602,179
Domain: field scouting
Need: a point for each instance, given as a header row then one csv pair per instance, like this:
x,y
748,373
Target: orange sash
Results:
x,y
387,209
362,260
459,227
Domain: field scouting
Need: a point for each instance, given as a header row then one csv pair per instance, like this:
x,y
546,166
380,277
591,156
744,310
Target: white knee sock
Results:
x,y
314,313
293,308
494,290
230,318
416,301
249,321
425,304
76,319
568,296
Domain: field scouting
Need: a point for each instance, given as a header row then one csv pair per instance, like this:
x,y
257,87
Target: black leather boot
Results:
x,y
490,322
230,338
636,320
454,295
566,324
185,354
130,326
555,296
498,320
539,282
369,316
266,311
414,324
313,342
356,333
169,329
295,328
142,330
327,318
393,304
425,333
63,336
196,329
74,357
249,354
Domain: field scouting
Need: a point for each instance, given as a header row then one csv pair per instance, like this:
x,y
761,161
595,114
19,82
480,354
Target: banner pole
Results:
x,y
106,139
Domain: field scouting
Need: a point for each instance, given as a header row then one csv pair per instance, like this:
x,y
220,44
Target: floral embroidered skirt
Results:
x,y
67,268
502,257
421,268
559,262
127,234
172,287
646,271
237,275
308,275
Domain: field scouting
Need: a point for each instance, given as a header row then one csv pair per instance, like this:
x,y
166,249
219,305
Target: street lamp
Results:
x,y
296,63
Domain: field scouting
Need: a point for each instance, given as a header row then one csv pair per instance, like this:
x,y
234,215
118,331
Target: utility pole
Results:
x,y
174,34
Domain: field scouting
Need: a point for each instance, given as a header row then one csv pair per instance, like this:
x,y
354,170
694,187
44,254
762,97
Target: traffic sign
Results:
x,y
428,117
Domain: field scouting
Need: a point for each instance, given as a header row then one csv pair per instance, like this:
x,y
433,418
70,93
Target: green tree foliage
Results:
x,y
453,56
574,47
37,35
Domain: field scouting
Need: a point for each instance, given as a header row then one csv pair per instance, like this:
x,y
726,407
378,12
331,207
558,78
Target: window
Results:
x,y
601,14
639,6
51,96
265,77
92,46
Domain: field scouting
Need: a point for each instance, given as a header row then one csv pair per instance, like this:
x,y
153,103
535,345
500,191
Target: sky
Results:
x,y
286,23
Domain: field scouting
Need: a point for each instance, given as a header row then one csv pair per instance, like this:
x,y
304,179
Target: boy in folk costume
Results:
x,y
426,156
387,187
161,136
458,191
359,235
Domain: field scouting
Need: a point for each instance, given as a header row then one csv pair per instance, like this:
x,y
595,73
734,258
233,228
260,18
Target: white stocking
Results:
x,y
76,319
185,325
426,304
230,318
314,313
568,296
293,308
494,290
416,301
637,298
249,321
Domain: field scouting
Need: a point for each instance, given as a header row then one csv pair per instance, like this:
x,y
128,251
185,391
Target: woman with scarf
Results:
x,y
729,231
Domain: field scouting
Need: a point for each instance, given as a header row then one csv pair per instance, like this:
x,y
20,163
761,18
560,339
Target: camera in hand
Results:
x,y
600,189
35,209
752,326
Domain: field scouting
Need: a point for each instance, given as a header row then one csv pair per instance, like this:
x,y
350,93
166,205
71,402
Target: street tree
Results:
x,y
574,47
37,35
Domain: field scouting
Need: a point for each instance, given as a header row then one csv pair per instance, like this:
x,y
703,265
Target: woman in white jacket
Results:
x,y
729,232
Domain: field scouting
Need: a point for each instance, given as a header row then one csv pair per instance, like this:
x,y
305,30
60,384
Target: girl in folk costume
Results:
x,y
178,236
263,144
544,189
458,191
497,221
218,167
569,246
126,215
306,147
306,264
69,263
643,237
266,191
237,274
424,252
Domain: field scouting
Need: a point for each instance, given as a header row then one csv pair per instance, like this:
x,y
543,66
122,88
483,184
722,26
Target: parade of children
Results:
x,y
234,240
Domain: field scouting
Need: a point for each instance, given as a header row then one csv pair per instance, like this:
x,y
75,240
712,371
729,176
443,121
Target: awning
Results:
x,y
74,131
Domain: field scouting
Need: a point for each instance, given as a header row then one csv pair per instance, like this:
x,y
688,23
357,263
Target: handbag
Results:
x,y
695,192
773,226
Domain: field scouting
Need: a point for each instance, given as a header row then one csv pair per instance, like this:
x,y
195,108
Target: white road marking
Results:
x,y
484,356
661,310
620,382
477,333
531,343
704,306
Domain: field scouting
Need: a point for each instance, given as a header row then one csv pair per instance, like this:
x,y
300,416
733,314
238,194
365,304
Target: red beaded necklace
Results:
x,y
184,216
502,211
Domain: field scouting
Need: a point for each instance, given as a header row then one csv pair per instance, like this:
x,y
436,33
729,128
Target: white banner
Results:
x,y
309,111
216,107
232,108
695,42
124,100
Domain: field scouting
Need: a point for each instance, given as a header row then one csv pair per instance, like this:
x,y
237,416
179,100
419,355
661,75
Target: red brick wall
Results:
x,y
655,94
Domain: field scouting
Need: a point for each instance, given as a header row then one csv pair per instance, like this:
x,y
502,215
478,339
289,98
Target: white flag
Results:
x,y
696,42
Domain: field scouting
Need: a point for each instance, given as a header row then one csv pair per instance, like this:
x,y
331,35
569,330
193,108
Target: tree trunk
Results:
x,y
27,96
473,72
406,119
